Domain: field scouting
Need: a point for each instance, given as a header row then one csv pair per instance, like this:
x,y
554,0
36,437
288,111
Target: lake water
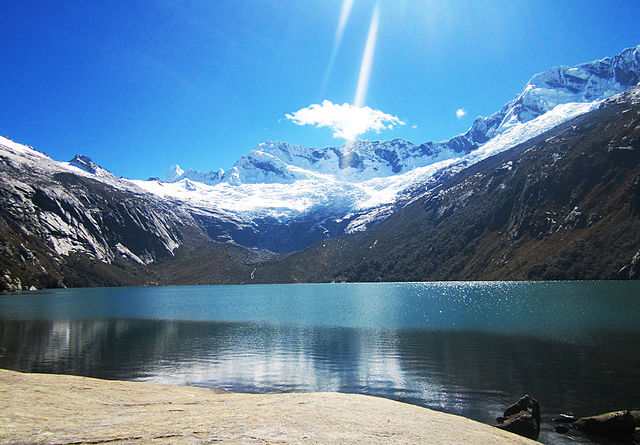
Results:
x,y
467,348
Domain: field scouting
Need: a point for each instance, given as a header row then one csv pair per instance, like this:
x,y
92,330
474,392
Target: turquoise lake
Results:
x,y
468,348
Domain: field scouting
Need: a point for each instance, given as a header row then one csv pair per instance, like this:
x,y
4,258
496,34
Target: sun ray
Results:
x,y
344,15
367,58
337,40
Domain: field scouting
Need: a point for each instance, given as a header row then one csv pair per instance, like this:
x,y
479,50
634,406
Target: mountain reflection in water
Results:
x,y
474,374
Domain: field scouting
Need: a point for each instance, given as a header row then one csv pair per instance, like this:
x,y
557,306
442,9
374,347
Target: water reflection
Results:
x,y
464,372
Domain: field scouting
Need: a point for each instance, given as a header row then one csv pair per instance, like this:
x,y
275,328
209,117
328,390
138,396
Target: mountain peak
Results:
x,y
85,163
174,173
587,82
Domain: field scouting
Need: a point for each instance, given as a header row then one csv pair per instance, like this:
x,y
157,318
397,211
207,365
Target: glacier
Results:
x,y
295,191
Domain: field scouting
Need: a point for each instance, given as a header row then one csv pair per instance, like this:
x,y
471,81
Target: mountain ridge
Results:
x,y
586,82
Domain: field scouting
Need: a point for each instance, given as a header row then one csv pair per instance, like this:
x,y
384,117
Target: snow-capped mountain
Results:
x,y
62,202
175,173
358,161
587,82
562,206
361,181
75,223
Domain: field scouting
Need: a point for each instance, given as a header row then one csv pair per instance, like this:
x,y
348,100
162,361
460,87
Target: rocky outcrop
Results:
x,y
621,425
618,424
522,418
41,408
631,271
565,418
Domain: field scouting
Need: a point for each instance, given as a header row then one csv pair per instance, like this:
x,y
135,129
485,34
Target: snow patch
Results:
x,y
122,250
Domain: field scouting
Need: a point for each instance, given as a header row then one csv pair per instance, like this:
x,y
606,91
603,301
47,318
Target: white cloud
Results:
x,y
346,121
460,112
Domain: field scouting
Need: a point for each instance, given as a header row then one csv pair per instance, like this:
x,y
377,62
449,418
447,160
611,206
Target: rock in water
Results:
x,y
565,418
613,424
522,418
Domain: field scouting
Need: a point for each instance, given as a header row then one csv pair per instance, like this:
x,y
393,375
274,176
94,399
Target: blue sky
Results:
x,y
140,85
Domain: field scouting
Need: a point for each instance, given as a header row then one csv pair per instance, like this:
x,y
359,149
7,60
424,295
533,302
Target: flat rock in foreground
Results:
x,y
56,409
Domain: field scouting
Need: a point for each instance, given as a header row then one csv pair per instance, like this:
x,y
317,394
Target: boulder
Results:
x,y
636,417
613,424
565,418
522,418
634,267
561,429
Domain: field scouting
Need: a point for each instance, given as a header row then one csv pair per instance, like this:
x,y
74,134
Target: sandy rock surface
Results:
x,y
57,409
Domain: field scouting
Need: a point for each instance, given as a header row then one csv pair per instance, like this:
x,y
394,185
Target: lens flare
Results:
x,y
367,58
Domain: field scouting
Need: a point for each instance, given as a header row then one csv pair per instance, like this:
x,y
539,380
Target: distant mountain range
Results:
x,y
537,190
325,192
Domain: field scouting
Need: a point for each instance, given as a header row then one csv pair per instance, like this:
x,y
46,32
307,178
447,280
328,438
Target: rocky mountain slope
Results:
x,y
75,224
564,205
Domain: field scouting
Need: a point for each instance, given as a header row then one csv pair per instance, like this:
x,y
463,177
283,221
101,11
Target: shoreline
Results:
x,y
51,408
